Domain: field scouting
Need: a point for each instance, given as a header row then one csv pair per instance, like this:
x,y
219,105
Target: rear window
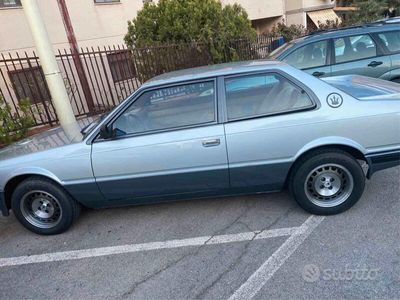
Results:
x,y
391,40
365,88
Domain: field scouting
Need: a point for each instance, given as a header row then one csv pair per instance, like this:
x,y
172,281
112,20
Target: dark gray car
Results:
x,y
370,50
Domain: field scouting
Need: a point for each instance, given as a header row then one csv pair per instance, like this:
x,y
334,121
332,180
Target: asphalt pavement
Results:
x,y
259,246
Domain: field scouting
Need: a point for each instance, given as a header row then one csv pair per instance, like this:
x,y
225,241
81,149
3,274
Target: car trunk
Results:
x,y
366,88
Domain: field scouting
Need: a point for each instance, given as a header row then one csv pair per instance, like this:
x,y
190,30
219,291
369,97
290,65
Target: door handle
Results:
x,y
318,74
211,143
374,63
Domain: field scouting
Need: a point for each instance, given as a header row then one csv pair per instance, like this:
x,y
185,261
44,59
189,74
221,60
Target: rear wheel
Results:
x,y
44,207
327,182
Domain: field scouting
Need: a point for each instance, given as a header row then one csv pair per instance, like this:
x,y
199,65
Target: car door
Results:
x,y
313,58
390,41
259,108
166,142
360,55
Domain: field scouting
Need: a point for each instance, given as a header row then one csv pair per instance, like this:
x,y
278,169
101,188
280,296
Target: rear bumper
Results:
x,y
3,207
382,160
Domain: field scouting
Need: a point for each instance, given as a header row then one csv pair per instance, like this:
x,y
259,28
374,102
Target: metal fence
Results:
x,y
98,79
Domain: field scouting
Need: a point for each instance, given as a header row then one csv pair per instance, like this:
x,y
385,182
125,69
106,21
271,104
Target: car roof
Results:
x,y
384,25
214,71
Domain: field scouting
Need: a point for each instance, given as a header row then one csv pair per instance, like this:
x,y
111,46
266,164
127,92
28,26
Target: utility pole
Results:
x,y
51,71
75,53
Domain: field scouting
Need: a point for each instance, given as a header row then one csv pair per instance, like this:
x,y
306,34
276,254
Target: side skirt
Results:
x,y
382,160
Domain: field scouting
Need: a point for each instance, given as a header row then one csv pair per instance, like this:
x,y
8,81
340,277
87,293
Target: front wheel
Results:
x,y
44,207
328,182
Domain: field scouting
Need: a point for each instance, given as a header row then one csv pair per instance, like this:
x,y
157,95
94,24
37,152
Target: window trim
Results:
x,y
109,122
315,104
23,72
328,58
107,3
377,46
17,6
116,62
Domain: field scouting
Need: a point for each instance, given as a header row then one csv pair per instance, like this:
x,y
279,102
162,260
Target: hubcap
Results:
x,y
41,209
329,185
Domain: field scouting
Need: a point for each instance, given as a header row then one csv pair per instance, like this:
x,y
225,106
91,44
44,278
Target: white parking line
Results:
x,y
256,281
190,242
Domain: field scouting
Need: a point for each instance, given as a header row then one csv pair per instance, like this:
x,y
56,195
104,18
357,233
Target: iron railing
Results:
x,y
109,75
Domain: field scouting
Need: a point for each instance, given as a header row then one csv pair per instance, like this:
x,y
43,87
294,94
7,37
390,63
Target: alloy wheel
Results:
x,y
329,185
41,209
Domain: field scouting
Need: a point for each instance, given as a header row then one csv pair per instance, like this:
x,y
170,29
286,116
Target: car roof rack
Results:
x,y
387,21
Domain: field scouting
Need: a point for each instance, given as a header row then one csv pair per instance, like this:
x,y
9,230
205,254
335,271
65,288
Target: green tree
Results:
x,y
370,10
187,21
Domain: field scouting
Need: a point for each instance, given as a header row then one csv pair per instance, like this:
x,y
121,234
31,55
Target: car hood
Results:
x,y
53,138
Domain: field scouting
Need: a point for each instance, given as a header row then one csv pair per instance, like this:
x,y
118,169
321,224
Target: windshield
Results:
x,y
274,54
365,88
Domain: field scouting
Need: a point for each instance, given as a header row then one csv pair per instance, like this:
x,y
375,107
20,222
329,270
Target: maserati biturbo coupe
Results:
x,y
238,128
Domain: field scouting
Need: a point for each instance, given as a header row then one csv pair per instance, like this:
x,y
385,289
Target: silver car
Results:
x,y
247,127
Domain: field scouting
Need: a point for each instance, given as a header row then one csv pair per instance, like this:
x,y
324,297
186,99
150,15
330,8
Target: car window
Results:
x,y
391,40
309,56
177,106
256,95
354,48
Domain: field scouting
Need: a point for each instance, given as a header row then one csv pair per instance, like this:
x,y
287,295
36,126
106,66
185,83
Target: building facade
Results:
x,y
104,22
264,14
100,75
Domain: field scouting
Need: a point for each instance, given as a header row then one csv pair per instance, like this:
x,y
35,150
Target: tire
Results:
x,y
397,80
44,207
327,182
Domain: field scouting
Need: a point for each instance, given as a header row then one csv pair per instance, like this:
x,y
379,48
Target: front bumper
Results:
x,y
3,206
382,160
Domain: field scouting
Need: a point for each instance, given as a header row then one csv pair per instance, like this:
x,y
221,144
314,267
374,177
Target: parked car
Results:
x,y
237,128
370,50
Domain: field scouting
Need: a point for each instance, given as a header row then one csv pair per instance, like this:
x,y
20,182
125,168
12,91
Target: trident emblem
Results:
x,y
334,100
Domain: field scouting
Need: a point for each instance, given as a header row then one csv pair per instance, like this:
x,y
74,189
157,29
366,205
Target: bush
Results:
x,y
174,57
331,24
187,21
288,32
13,126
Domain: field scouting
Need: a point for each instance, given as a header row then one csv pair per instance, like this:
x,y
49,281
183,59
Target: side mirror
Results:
x,y
105,132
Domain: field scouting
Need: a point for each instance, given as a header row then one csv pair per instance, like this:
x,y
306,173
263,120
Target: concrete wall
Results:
x,y
14,29
106,24
296,10
297,19
94,24
102,24
260,9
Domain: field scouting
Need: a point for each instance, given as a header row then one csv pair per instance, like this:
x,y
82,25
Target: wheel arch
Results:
x,y
352,149
16,179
